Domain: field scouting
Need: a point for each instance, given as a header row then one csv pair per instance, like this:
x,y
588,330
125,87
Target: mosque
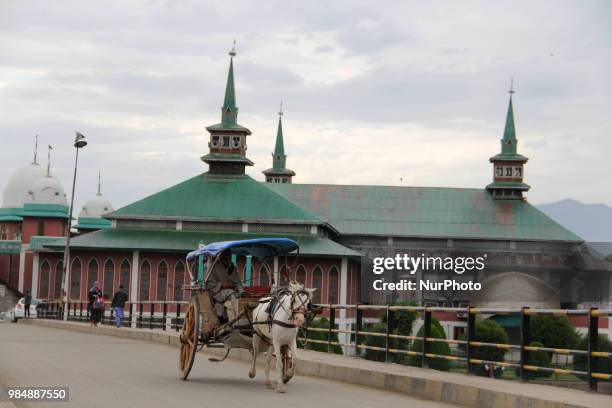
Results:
x,y
340,229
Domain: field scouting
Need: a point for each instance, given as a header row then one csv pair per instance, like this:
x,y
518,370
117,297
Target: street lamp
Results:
x,y
79,142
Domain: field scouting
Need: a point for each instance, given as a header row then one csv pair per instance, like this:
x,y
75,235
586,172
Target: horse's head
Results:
x,y
300,300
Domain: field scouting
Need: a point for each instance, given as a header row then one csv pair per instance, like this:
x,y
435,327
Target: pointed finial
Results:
x,y
232,52
99,182
511,91
49,161
35,151
280,112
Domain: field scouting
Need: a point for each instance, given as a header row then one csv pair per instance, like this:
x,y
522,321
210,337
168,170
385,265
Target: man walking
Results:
x,y
28,301
118,304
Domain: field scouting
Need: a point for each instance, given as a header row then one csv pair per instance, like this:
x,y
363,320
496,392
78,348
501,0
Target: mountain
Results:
x,y
593,222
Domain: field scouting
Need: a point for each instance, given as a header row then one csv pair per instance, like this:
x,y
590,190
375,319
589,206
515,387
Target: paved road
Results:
x,y
104,371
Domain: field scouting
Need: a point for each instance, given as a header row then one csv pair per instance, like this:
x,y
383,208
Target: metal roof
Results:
x,y
186,241
209,197
423,212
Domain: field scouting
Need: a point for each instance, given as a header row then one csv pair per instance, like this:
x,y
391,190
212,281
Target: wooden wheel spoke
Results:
x,y
189,338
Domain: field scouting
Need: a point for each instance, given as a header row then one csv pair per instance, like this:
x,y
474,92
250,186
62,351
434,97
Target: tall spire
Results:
x,y
49,161
99,182
508,164
229,111
509,139
279,147
35,161
228,143
279,173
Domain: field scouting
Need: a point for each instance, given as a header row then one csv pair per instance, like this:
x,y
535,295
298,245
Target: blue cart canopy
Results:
x,y
260,248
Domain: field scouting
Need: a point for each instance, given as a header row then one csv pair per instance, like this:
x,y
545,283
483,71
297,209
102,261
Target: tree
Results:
x,y
553,331
488,331
434,348
538,359
604,365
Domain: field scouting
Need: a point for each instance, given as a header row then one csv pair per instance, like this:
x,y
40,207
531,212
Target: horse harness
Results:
x,y
276,298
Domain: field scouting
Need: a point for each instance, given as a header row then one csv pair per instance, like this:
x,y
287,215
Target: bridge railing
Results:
x,y
352,333
164,315
354,337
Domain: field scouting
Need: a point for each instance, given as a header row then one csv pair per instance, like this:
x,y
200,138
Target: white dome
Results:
x,y
47,190
96,206
19,184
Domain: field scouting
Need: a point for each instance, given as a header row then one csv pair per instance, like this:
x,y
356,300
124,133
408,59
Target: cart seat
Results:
x,y
261,290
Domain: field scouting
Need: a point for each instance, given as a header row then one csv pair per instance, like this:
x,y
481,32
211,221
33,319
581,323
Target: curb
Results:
x,y
427,384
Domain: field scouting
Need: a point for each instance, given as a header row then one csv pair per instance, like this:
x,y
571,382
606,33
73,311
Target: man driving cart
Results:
x,y
224,284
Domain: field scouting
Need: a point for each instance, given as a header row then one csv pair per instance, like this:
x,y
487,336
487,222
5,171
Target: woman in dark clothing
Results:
x,y
96,303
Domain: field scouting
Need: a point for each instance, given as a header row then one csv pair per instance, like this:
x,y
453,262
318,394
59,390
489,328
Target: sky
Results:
x,y
410,93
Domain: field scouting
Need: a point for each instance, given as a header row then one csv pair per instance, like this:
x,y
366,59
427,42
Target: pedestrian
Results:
x,y
98,309
28,301
118,304
93,295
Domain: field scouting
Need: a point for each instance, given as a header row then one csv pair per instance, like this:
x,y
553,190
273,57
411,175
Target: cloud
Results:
x,y
372,95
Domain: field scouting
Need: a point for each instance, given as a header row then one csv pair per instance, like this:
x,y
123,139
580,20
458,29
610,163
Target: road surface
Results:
x,y
104,371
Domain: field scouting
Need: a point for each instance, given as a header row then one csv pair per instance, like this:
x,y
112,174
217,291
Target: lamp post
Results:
x,y
79,142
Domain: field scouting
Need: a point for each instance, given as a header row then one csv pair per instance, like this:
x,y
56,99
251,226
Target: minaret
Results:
x,y
228,145
279,173
508,165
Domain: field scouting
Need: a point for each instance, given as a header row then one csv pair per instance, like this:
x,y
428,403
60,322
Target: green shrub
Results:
x,y
402,325
604,365
553,331
321,323
376,341
435,348
488,331
539,359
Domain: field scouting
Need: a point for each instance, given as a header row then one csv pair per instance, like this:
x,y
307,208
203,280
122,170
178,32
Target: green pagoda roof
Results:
x,y
185,241
10,214
45,210
89,223
209,197
423,212
226,157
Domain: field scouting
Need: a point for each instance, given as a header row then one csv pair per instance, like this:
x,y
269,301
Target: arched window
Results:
x,y
43,286
92,273
179,279
145,281
332,286
317,283
300,275
124,276
75,280
254,275
57,289
265,275
162,280
41,228
109,277
17,233
283,276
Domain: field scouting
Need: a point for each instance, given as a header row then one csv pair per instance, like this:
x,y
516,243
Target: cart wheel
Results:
x,y
189,338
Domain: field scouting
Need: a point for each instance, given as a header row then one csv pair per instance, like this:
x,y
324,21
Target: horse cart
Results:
x,y
203,327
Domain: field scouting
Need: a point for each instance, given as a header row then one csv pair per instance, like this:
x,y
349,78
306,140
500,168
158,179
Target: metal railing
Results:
x,y
356,335
169,316
152,314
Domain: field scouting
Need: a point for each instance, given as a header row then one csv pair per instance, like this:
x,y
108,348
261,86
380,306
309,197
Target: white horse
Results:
x,y
276,332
